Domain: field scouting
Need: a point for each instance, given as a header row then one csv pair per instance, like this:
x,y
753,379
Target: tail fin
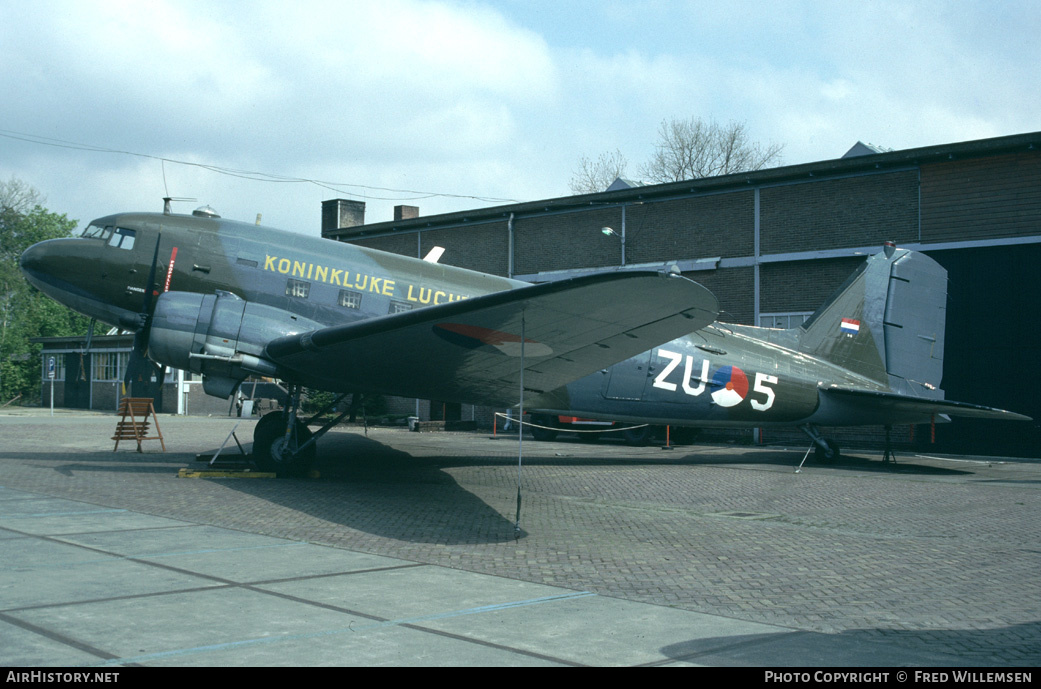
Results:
x,y
886,322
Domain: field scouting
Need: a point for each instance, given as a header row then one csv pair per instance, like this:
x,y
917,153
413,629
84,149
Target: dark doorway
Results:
x,y
992,347
77,380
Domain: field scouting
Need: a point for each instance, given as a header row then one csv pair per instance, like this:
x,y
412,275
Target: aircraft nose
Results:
x,y
46,263
31,261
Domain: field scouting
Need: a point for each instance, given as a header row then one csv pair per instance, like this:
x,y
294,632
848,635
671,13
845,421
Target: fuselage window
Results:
x,y
399,306
350,299
297,288
123,238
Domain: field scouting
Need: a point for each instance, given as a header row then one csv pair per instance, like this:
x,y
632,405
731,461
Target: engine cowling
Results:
x,y
219,335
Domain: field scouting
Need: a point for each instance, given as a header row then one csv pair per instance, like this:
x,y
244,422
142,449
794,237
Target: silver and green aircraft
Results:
x,y
229,300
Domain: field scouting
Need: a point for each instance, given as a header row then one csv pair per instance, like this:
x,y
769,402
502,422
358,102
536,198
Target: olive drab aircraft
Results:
x,y
229,300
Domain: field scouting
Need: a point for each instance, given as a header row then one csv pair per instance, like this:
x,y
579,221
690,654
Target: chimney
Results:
x,y
340,213
405,212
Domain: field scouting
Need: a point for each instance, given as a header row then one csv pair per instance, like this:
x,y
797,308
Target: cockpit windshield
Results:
x,y
96,232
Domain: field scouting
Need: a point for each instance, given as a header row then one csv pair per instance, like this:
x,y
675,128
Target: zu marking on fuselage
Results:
x,y
729,384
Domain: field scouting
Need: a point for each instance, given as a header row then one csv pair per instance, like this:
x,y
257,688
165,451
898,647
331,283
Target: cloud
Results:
x,y
351,88
492,100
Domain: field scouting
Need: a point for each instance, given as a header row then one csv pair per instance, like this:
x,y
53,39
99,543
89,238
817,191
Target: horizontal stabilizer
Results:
x,y
470,350
889,407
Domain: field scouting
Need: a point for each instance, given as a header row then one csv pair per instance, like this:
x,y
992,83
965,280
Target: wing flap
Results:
x,y
470,350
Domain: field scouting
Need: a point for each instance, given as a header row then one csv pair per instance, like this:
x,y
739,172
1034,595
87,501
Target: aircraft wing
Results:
x,y
894,408
470,350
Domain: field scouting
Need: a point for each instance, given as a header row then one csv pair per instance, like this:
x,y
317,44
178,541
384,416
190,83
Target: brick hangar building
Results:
x,y
773,244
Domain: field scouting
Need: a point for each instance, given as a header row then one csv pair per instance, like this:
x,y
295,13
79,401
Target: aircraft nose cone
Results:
x,y
46,263
32,259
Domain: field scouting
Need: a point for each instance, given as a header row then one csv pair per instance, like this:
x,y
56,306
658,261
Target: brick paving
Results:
x,y
942,556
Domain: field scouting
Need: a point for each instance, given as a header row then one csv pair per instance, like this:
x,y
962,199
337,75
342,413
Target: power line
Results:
x,y
252,175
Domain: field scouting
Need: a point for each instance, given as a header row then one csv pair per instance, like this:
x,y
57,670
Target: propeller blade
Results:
x,y
139,368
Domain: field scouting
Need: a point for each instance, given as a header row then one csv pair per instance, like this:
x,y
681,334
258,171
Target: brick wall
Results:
x,y
853,211
402,244
983,198
567,240
801,285
700,227
735,290
481,247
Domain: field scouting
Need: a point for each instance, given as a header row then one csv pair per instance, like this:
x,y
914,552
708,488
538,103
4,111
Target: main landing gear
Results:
x,y
825,450
282,443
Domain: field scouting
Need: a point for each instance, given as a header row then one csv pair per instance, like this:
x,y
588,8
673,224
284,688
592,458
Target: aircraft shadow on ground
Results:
x,y
867,648
556,452
364,485
858,461
369,486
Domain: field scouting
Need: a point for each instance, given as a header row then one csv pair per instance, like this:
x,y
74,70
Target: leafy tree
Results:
x,y
25,313
686,149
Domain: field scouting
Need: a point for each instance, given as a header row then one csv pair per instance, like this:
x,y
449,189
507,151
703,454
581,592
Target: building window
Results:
x,y
123,238
297,288
350,299
784,321
109,366
399,306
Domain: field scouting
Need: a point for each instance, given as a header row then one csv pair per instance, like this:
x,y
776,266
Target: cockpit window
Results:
x,y
123,238
96,232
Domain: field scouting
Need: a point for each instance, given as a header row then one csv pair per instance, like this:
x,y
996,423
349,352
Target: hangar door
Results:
x,y
993,347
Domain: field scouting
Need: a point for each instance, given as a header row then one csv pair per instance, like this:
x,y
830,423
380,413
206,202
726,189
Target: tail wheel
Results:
x,y
273,452
827,454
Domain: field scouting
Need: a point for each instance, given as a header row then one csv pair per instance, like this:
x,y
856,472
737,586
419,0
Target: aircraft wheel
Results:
x,y
543,434
271,451
828,454
638,437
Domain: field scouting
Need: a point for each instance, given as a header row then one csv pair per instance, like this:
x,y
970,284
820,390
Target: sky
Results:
x,y
271,107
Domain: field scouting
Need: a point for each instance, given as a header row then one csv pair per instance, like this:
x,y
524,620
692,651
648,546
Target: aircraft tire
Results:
x,y
543,434
638,437
269,447
828,454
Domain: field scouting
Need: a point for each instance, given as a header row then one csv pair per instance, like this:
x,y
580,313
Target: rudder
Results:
x,y
886,322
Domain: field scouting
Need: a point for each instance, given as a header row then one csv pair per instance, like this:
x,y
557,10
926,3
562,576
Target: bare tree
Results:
x,y
595,176
693,148
19,197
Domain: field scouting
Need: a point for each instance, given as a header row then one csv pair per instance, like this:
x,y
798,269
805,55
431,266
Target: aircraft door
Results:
x,y
626,380
204,263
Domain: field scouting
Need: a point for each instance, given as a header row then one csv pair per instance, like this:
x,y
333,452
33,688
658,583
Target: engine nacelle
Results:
x,y
220,336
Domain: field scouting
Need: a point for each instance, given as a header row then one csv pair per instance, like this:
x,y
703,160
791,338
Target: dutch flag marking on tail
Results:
x,y
850,326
